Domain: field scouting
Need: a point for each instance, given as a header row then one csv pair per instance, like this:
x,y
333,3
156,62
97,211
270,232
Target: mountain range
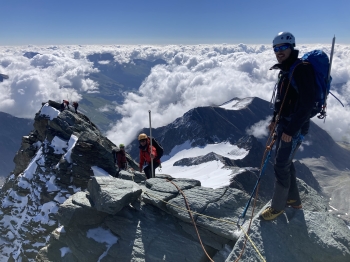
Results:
x,y
62,202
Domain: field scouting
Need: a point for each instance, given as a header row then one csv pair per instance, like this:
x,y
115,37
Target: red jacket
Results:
x,y
145,155
121,159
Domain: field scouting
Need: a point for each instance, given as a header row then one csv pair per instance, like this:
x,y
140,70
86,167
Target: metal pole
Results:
x,y
331,59
150,135
323,112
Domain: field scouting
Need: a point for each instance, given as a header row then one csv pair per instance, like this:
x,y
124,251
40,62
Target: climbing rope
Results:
x,y
194,223
150,195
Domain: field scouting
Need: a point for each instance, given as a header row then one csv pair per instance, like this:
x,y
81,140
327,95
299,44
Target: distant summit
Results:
x,y
30,55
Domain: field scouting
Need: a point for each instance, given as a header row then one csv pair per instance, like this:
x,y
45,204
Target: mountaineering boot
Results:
x,y
292,203
269,213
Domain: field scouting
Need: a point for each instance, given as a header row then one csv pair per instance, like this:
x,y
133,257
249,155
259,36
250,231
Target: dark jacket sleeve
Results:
x,y
120,160
304,78
114,156
142,160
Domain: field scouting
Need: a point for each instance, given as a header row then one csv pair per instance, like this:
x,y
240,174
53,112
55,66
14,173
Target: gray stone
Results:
x,y
296,235
156,198
150,235
52,253
77,210
135,176
110,194
157,184
207,237
221,209
84,248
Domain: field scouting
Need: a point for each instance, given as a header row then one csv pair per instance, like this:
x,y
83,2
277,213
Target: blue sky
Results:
x,y
42,22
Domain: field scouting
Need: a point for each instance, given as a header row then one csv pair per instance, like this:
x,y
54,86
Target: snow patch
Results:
x,y
49,111
71,143
210,174
101,235
65,250
28,173
58,144
237,104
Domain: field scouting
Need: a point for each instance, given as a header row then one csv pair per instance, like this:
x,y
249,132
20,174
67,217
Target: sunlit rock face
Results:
x,y
53,163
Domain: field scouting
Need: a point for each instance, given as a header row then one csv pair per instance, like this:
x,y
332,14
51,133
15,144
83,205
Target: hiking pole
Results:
x,y
150,134
262,171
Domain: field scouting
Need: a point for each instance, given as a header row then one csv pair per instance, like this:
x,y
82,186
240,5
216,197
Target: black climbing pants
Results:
x,y
286,184
147,169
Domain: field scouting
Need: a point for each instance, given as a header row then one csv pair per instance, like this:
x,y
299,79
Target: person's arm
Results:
x,y
141,161
304,78
119,160
153,153
114,157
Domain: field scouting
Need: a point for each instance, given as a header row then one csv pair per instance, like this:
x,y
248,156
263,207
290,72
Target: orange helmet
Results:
x,y
142,136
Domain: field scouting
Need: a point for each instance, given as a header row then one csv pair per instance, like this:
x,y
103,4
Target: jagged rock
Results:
x,y
304,173
191,161
107,219
28,149
55,251
207,237
247,180
151,235
202,200
135,176
93,149
297,235
77,210
208,202
255,151
110,195
157,184
76,240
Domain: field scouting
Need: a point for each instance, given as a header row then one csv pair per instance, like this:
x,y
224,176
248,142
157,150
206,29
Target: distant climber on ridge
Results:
x,y
75,105
64,105
120,159
294,110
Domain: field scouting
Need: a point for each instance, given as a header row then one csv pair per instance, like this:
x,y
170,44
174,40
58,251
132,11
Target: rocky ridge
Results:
x,y
57,206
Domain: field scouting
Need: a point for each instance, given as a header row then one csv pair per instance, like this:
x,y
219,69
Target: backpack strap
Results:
x,y
291,72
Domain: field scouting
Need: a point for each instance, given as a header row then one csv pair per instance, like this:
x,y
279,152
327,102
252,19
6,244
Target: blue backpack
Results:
x,y
320,62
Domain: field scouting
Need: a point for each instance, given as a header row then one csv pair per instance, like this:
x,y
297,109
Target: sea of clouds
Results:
x,y
195,75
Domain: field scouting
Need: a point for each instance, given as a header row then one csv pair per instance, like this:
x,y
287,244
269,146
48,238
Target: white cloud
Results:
x,y
259,129
205,75
198,75
54,75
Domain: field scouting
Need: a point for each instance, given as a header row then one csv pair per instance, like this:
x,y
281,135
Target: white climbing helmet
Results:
x,y
284,38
